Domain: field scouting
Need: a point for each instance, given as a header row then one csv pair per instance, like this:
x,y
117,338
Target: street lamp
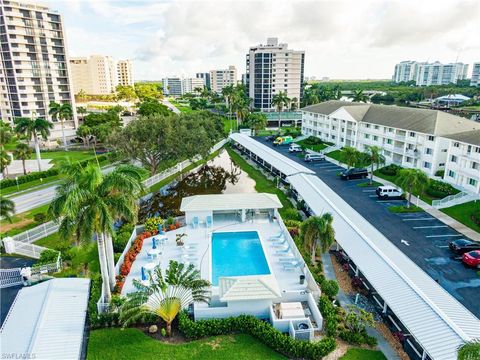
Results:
x,y
16,179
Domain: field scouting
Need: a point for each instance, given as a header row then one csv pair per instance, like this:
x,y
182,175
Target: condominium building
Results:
x,y
190,84
426,74
406,71
475,80
172,86
271,69
205,78
95,75
409,137
34,69
125,72
221,78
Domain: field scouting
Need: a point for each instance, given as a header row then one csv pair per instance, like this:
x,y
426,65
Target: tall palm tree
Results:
x,y
294,104
5,160
359,96
88,202
280,101
165,295
84,131
351,156
412,180
7,209
374,155
228,92
23,152
34,128
317,232
81,111
469,351
61,112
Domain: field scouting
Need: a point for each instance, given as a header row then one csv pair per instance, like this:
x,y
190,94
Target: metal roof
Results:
x,y
437,320
230,202
256,287
47,320
278,161
469,137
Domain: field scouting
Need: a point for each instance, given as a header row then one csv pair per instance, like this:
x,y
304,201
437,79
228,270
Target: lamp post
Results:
x,y
16,180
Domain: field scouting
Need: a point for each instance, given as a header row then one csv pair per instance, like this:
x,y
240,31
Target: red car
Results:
x,y
472,258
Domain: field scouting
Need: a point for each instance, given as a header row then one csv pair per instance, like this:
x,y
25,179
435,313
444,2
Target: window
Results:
x,y
411,134
477,150
375,138
453,158
451,173
441,164
377,127
367,136
475,165
472,182
427,165
456,144
389,141
431,138
428,151
367,126
390,129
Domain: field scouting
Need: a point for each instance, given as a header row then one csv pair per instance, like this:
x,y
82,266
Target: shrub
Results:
x,y
390,170
120,240
152,223
292,223
40,218
440,173
440,189
476,217
329,288
48,256
292,214
329,314
312,140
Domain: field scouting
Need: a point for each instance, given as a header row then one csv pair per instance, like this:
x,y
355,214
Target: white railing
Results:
x,y
22,248
330,149
138,229
37,233
10,277
451,200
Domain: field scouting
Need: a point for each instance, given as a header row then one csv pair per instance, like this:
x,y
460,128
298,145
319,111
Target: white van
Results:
x,y
295,148
314,157
388,192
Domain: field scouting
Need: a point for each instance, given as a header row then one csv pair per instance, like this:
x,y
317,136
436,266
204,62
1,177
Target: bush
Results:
x,y
152,223
120,240
312,140
48,256
329,313
258,329
440,189
390,170
476,217
329,288
440,173
292,214
40,218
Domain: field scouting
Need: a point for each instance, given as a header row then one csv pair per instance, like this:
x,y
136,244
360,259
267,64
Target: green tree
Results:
x,y
164,295
87,203
84,132
148,91
5,134
412,180
34,128
61,112
350,155
375,157
228,93
81,111
151,107
280,101
5,160
256,121
294,104
7,209
126,92
23,152
317,232
356,319
469,351
359,96
82,95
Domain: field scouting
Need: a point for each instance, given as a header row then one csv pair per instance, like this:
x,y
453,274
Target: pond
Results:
x,y
218,176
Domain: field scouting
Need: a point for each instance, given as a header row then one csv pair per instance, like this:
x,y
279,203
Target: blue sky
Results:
x,y
343,39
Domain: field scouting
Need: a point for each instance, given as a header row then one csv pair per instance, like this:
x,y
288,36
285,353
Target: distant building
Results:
x,y
172,86
475,81
221,78
205,77
125,72
271,69
426,74
95,75
451,99
190,84
406,71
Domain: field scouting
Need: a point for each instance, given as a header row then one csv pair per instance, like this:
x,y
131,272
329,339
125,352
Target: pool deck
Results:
x,y
288,280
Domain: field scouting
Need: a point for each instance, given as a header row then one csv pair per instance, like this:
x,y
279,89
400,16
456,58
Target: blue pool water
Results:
x,y
237,254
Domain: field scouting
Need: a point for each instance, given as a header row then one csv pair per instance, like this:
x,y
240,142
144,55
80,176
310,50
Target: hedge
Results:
x,y
260,330
390,170
440,189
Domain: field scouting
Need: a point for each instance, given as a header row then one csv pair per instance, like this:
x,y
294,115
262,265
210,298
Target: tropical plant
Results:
x,y
351,155
469,351
5,133
87,203
256,121
7,209
23,152
164,295
34,128
5,160
81,111
61,112
359,96
412,180
228,93
280,101
375,157
84,131
317,232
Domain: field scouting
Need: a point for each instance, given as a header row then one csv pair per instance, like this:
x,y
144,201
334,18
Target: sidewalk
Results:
x,y
383,344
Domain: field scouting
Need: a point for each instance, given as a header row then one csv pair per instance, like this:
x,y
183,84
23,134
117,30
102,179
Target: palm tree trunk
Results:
x,y
371,175
169,328
409,202
63,136
314,247
24,168
110,260
107,294
37,152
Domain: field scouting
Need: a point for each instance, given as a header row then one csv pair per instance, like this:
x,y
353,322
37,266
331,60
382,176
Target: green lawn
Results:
x,y
339,156
117,344
463,213
316,147
31,185
363,354
367,184
183,107
404,209
18,218
73,155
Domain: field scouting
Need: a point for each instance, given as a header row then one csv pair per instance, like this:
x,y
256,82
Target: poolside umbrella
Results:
x,y
154,243
144,275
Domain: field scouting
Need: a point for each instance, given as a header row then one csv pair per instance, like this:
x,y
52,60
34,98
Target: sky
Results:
x,y
342,39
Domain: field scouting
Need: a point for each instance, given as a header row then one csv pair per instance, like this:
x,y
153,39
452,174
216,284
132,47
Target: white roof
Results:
x,y
278,161
47,320
255,287
435,318
230,202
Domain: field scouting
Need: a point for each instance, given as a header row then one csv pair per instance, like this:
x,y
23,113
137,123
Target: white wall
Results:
x,y
257,308
202,216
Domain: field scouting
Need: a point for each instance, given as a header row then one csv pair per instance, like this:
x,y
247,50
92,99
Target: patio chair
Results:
x,y
189,250
195,222
276,240
292,265
283,251
277,236
188,257
208,221
287,259
280,244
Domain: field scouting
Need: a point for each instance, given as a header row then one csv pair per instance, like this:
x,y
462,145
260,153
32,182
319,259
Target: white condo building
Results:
x,y
221,78
406,71
475,81
426,74
205,76
34,69
95,75
125,72
271,69
175,86
190,84
411,138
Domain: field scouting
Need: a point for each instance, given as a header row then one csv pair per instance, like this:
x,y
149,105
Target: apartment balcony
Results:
x,y
399,137
398,150
412,153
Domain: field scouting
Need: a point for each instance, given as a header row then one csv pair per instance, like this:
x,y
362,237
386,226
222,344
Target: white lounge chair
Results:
x,y
275,240
280,244
278,236
188,257
292,265
287,259
283,251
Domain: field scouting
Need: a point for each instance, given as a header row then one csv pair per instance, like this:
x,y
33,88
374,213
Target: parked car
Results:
x,y
270,138
283,140
354,173
295,148
461,246
388,192
314,157
472,258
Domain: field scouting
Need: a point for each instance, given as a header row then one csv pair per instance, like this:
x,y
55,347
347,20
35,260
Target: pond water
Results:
x,y
218,176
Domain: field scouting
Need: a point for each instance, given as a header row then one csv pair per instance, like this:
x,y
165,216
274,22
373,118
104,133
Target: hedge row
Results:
x,y
260,330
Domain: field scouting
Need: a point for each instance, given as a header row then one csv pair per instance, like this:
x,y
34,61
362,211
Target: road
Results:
x,y
170,106
420,236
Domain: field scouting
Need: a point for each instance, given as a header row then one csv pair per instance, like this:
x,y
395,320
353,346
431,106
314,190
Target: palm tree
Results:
x,y
412,180
294,104
88,202
351,156
279,101
23,152
84,132
81,111
317,232
5,133
7,209
33,128
359,96
5,160
228,93
469,351
374,155
61,112
165,295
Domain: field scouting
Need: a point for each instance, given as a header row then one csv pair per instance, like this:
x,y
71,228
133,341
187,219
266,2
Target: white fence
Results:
x,y
37,233
22,248
10,277
460,198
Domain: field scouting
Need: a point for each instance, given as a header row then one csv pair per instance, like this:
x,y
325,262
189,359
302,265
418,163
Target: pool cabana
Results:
x,y
204,209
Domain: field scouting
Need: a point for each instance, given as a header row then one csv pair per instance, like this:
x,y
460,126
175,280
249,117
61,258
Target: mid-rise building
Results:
x,y
205,78
426,74
221,78
190,84
271,69
125,72
475,80
409,137
34,68
95,75
172,86
406,71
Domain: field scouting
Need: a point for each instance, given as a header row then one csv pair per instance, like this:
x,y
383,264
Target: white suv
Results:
x,y
388,192
295,148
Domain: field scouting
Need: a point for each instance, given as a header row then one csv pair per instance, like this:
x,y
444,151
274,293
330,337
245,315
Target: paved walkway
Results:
x,y
447,220
344,300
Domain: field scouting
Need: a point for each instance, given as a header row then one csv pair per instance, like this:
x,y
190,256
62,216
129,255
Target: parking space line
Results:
x,y
442,246
372,196
387,201
430,227
333,170
452,235
419,219
369,190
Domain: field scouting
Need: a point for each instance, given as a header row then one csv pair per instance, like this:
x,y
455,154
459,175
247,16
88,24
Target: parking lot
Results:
x,y
423,238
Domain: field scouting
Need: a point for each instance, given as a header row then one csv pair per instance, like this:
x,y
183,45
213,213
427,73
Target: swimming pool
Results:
x,y
237,254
